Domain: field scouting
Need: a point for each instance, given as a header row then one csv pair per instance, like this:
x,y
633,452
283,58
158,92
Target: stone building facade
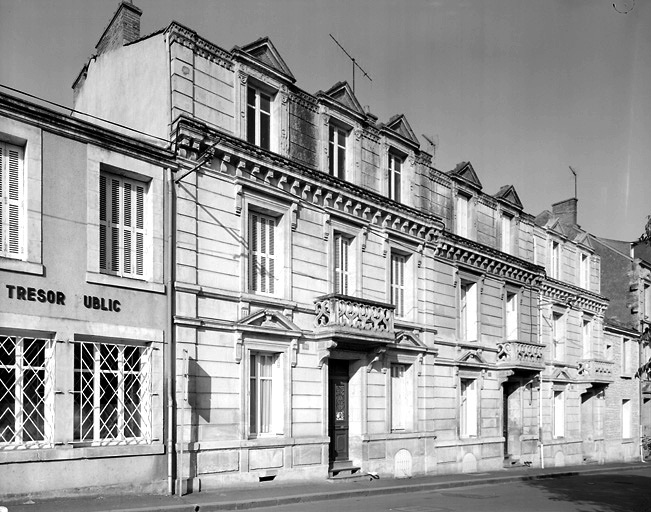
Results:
x,y
83,324
340,305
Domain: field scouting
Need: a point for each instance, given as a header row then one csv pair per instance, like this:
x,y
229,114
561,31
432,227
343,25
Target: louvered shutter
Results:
x,y
103,225
262,234
12,192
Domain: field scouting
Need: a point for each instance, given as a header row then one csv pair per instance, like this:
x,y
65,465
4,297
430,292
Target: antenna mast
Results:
x,y
576,178
353,61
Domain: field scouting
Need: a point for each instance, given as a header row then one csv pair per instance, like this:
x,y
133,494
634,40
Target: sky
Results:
x,y
522,89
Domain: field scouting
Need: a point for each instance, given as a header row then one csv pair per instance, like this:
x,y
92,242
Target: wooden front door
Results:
x,y
338,409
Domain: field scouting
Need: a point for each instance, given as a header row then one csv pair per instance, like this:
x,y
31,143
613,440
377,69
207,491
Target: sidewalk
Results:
x,y
268,494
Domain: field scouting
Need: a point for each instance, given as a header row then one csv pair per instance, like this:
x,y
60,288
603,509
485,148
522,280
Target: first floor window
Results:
x,y
511,317
122,226
262,253
558,413
398,263
342,264
558,336
26,391
265,394
12,201
587,338
626,356
401,400
468,408
468,311
627,419
112,389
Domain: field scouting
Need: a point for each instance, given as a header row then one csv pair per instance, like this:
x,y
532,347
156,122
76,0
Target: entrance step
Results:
x,y
343,471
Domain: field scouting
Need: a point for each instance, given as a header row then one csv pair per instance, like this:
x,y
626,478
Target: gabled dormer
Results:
x,y
508,211
508,196
465,173
263,54
400,126
343,95
466,187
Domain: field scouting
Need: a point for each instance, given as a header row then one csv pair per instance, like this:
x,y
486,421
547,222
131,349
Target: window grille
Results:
x,y
26,392
112,402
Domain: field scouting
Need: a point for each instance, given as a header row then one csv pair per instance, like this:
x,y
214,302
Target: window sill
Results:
x,y
124,282
72,452
22,267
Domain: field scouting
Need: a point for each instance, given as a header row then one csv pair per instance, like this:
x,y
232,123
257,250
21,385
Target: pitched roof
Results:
x,y
343,94
465,172
264,51
400,125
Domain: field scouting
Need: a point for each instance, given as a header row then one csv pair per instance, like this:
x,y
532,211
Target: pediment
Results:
x,y
343,94
268,319
472,358
583,239
554,224
561,375
264,51
465,172
400,125
409,340
508,194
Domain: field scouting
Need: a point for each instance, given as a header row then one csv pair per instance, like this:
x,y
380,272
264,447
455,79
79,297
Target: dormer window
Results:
x,y
584,270
337,151
506,233
555,259
395,170
463,211
258,118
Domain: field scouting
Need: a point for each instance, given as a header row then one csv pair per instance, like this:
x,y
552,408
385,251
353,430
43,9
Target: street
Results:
x,y
628,491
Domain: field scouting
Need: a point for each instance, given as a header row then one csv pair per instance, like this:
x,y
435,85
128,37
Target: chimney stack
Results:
x,y
566,211
124,28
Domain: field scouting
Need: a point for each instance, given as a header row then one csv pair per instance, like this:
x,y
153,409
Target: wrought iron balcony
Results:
x,y
341,315
520,354
595,370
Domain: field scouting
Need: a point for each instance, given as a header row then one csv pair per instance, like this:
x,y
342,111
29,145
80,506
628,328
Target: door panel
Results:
x,y
338,409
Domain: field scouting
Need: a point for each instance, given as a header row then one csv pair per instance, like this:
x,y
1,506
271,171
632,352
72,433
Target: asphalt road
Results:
x,y
627,491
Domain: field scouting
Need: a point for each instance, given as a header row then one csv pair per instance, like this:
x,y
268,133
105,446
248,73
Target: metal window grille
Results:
x,y
26,392
112,393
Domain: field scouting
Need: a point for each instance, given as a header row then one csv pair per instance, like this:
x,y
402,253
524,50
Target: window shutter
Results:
x,y
103,227
338,276
271,222
262,259
253,259
12,194
471,311
472,404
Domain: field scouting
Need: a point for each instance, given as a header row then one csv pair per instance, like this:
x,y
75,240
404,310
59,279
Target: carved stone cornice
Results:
x,y
305,100
190,39
574,296
488,260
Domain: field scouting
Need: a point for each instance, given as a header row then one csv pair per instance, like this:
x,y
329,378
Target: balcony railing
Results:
x,y
520,354
344,314
595,370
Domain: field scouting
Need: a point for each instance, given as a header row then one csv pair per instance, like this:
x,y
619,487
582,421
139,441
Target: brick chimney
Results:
x,y
566,211
123,28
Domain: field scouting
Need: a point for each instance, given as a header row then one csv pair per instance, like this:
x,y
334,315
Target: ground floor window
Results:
x,y
468,408
26,392
558,412
266,410
112,393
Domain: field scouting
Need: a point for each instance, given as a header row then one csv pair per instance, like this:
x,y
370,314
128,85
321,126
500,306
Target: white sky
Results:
x,y
521,88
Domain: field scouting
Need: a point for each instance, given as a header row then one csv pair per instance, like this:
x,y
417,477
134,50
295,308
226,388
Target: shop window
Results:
x,y
112,393
266,409
468,311
26,392
12,201
122,233
468,408
395,176
258,117
558,413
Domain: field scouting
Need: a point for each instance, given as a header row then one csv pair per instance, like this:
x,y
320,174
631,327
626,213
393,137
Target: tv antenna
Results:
x,y
575,181
353,61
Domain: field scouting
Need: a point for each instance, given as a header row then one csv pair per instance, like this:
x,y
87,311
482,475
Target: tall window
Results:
x,y
587,338
398,262
462,216
558,336
400,397
647,302
12,198
112,402
555,263
511,317
26,392
121,226
258,118
262,253
395,171
265,394
558,412
584,271
626,356
468,408
468,311
506,233
337,152
342,264
627,419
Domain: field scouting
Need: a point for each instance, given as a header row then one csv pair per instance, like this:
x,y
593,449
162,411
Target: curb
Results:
x,y
379,491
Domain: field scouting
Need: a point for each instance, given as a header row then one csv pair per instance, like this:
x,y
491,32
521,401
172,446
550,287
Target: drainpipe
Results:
x,y
540,387
170,367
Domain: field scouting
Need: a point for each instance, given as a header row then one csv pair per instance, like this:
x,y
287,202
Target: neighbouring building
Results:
x,y
341,306
83,324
